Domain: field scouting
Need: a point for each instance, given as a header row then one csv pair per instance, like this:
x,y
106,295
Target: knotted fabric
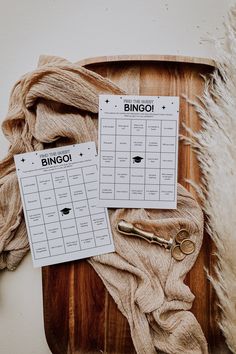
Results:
x,y
56,105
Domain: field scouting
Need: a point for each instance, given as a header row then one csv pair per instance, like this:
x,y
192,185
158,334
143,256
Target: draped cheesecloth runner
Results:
x,y
57,104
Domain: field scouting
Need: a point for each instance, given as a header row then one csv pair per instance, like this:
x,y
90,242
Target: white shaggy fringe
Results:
x,y
216,150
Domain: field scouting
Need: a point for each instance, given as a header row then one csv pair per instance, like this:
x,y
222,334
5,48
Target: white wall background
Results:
x,y
76,29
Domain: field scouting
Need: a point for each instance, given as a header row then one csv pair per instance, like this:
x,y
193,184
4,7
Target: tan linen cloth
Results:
x,y
57,104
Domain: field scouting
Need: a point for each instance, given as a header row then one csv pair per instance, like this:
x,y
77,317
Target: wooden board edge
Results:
x,y
152,57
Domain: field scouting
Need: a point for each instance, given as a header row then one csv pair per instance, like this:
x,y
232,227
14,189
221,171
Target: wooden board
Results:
x,y
79,314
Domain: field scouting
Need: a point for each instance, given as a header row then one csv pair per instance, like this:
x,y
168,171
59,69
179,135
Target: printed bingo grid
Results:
x,y
138,149
59,200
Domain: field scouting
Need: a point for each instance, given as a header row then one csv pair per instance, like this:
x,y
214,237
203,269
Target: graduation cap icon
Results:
x,y
137,159
65,211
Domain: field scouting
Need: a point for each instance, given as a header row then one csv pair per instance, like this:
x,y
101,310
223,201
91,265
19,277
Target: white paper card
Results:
x,y
59,193
138,151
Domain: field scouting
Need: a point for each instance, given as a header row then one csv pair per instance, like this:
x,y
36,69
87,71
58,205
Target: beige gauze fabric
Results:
x,y
56,105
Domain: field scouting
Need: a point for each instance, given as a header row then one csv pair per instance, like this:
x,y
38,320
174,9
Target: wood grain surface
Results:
x,y
79,314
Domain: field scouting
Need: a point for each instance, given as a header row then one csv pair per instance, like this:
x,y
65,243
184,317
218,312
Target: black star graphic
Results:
x,y
23,160
107,101
163,107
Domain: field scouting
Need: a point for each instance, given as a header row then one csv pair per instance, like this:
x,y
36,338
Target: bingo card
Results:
x,y
59,192
138,151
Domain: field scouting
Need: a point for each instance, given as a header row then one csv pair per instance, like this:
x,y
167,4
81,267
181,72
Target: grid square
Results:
x,y
65,211
122,191
153,159
35,217
138,159
68,227
107,158
32,201
106,191
78,192
167,192
50,214
38,233
138,143
136,192
107,143
60,179
53,230
107,175
121,175
153,128
102,237
47,198
75,176
168,144
56,246
81,208
122,143
139,127
137,175
167,176
108,126
153,144
84,224
152,192
94,209
152,176
91,189
88,242
44,182
168,128
99,221
72,244
168,160
41,250
29,185
90,173
123,127
122,160
63,195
